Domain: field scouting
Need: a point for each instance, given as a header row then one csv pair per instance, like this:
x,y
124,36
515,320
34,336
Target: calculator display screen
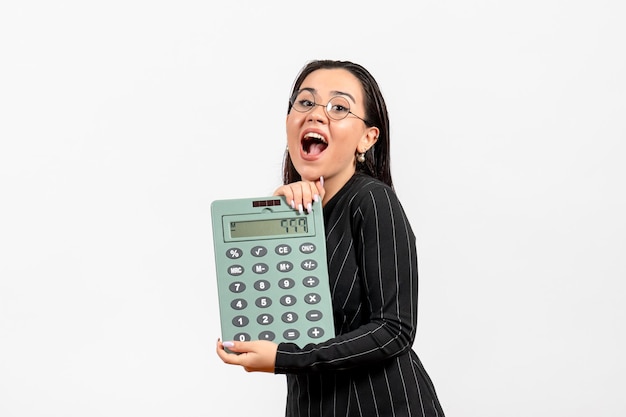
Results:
x,y
288,226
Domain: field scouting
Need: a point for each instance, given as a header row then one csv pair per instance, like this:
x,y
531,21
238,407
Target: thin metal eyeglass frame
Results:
x,y
325,107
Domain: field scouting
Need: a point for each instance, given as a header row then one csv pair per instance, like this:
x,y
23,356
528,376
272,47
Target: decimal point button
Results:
x,y
267,335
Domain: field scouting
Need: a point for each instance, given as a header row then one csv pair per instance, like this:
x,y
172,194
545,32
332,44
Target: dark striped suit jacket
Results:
x,y
369,367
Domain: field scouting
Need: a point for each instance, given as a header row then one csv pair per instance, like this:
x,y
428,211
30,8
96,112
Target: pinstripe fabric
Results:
x,y
369,367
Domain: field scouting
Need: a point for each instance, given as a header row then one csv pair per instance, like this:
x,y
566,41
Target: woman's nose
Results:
x,y
317,114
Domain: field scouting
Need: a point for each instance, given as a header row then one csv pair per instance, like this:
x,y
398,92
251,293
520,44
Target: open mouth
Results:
x,y
313,143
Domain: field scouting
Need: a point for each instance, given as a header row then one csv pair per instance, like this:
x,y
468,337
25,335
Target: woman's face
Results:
x,y
321,146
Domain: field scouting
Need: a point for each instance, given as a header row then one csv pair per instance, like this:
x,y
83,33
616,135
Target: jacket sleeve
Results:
x,y
387,265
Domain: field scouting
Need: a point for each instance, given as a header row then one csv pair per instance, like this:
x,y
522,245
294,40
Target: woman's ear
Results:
x,y
369,139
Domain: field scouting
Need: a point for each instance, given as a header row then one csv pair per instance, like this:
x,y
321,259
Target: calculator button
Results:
x,y
283,249
310,282
308,264
234,253
291,334
263,302
314,315
307,248
284,266
240,321
287,300
312,298
265,319
286,283
267,335
238,304
242,337
260,268
315,332
261,285
235,270
258,251
237,287
289,317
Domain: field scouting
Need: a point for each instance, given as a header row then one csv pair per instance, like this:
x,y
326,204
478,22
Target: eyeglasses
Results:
x,y
337,107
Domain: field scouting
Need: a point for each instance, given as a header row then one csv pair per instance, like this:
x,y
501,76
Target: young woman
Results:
x,y
338,151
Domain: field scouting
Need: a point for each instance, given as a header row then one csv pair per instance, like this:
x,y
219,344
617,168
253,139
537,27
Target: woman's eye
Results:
x,y
306,103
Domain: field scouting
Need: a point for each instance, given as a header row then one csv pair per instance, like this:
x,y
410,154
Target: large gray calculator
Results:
x,y
272,274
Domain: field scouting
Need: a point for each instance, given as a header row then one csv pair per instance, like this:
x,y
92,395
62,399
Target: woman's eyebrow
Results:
x,y
332,93
341,93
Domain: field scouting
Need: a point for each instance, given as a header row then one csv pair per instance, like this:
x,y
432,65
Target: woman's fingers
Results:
x,y
255,356
302,194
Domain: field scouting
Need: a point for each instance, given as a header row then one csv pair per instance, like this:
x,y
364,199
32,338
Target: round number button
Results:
x,y
238,304
240,321
261,285
289,317
263,302
287,300
237,287
242,337
286,283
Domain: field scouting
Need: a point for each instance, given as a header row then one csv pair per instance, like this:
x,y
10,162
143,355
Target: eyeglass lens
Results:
x,y
337,107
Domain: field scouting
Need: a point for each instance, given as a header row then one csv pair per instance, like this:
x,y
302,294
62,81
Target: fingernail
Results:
x,y
228,344
316,198
293,204
300,209
322,181
309,208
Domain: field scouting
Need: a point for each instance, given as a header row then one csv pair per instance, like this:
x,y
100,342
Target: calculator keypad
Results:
x,y
274,298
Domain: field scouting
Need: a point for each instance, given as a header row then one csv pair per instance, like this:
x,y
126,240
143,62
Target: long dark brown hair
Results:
x,y
377,162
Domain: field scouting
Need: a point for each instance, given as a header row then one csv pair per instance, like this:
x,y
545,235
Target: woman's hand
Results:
x,y
300,195
255,356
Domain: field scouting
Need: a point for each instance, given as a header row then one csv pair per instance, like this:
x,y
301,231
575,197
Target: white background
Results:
x,y
121,121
